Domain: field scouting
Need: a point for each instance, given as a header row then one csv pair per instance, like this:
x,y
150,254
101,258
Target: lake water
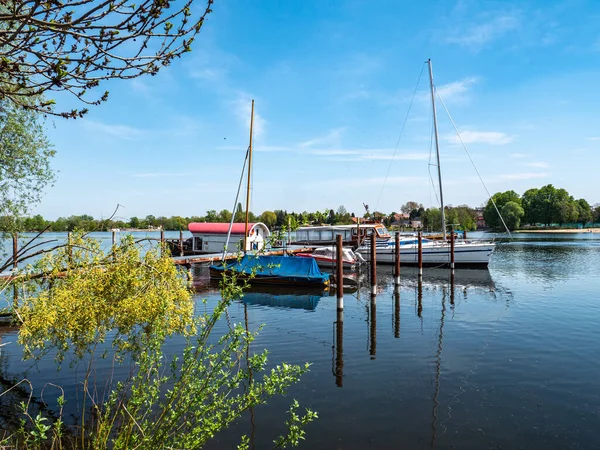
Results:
x,y
502,358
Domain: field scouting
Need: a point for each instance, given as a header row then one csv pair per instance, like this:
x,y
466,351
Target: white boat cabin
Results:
x,y
352,235
211,237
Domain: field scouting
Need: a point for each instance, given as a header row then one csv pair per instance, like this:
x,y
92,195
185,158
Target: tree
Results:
x,y
74,46
225,216
512,213
584,211
490,215
532,207
409,206
596,214
269,218
25,155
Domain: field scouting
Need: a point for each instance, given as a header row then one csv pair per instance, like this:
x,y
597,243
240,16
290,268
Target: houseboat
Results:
x,y
212,237
352,235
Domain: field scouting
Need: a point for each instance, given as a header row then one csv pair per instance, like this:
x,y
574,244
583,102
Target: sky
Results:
x,y
342,111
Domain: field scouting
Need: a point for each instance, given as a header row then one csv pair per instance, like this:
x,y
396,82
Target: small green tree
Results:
x,y
512,214
25,155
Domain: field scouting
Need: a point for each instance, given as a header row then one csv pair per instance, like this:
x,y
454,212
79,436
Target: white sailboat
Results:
x,y
434,252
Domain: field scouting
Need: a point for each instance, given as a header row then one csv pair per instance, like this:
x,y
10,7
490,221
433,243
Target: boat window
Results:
x,y
382,231
197,243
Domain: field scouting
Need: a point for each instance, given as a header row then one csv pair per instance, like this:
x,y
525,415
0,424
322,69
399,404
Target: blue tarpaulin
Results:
x,y
277,269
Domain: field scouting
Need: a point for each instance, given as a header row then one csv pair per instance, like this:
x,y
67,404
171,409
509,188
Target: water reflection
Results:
x,y
284,297
338,371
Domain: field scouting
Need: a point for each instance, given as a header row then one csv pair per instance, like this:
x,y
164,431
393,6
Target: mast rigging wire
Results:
x,y
472,162
399,137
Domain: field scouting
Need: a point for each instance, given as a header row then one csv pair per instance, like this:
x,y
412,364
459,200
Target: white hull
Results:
x,y
434,253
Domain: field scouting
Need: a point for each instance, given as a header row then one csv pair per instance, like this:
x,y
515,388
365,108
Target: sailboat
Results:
x,y
434,252
267,269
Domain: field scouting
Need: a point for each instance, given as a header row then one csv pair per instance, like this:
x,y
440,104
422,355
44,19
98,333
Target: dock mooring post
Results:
x,y
373,264
420,254
15,242
419,297
397,261
180,242
452,250
339,273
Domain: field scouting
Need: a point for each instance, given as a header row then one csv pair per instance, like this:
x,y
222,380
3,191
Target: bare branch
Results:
x,y
74,45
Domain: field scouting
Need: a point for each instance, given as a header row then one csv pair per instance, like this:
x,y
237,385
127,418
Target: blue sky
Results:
x,y
332,83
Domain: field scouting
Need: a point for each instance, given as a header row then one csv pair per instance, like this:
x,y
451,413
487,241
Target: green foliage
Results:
x,y
512,213
89,292
490,215
25,155
180,402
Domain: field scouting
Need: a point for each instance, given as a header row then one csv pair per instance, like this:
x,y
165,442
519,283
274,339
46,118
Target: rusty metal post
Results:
x,y
339,349
373,264
452,250
397,261
15,242
420,254
339,273
180,242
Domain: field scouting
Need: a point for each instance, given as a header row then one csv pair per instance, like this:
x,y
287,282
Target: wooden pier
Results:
x,y
216,257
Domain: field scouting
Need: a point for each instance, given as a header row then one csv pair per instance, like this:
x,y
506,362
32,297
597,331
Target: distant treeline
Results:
x,y
544,206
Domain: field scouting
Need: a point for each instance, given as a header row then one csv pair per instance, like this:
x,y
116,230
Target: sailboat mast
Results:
x,y
437,148
249,173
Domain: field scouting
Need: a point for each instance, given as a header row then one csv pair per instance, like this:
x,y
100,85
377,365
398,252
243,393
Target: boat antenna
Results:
x,y
473,164
249,174
437,148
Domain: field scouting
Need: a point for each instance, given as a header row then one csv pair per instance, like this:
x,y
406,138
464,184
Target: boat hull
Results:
x,y
435,254
327,263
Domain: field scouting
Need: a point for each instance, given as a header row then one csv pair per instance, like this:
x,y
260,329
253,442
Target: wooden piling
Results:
x,y
373,264
420,254
465,235
339,349
452,250
15,242
339,276
180,242
397,261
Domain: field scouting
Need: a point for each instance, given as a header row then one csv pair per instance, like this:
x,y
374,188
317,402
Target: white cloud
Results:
x,y
455,89
383,154
242,108
540,165
596,138
485,137
331,138
477,36
523,176
158,175
119,131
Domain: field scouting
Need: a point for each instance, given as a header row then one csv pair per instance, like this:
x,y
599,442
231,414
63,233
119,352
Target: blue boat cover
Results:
x,y
289,268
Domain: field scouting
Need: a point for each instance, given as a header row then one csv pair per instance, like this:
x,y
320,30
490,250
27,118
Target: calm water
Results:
x,y
505,358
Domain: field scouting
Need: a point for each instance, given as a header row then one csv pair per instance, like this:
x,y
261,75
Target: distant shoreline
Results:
x,y
569,230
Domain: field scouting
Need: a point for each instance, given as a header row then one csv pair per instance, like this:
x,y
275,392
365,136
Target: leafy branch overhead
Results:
x,y
54,45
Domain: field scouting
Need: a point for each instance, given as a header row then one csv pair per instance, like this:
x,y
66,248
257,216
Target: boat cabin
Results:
x,y
352,235
211,237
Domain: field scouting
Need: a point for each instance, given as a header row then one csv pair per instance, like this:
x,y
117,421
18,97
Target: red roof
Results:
x,y
218,228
